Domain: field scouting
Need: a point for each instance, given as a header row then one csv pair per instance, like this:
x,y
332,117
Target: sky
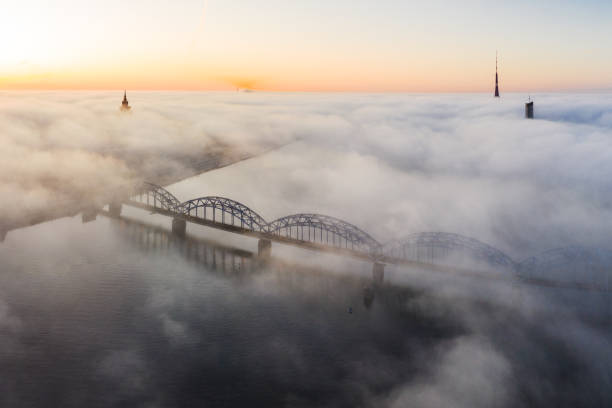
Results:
x,y
316,45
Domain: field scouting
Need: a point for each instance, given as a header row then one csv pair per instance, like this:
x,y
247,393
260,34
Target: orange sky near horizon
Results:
x,y
400,46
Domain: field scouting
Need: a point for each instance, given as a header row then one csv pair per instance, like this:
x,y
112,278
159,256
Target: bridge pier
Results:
x,y
2,234
378,272
179,227
115,209
89,215
264,248
368,296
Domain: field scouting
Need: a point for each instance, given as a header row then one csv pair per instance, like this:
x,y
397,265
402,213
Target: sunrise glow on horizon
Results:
x,y
389,45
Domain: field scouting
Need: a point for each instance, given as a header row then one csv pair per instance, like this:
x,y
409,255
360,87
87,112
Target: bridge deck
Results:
x,y
260,235
425,266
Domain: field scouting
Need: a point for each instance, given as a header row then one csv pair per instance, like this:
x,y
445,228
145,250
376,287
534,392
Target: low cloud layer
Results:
x,y
396,165
60,147
115,313
390,164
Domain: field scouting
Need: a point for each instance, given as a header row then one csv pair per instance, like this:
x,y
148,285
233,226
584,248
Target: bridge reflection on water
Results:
x,y
211,254
236,263
223,259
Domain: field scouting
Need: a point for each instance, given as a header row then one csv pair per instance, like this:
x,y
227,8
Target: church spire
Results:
x,y
124,104
496,79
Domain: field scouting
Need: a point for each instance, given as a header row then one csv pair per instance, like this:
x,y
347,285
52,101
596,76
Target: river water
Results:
x,y
122,313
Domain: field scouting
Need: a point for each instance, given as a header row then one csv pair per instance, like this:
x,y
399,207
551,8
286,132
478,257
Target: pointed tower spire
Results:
x,y
124,104
496,79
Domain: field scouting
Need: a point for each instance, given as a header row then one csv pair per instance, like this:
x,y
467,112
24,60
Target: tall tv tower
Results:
x,y
496,82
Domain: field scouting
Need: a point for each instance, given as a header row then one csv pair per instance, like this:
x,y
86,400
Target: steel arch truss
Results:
x,y
577,265
229,211
157,197
324,230
432,247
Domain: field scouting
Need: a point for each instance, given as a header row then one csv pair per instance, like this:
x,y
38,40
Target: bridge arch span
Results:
x,y
157,197
438,247
325,230
572,266
225,211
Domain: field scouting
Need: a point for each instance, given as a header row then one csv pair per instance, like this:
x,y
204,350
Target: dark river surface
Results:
x,y
117,313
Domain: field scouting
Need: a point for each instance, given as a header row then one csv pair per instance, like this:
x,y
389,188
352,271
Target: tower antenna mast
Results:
x,y
496,78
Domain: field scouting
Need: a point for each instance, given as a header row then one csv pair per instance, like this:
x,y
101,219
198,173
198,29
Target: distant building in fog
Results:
x,y
529,109
125,107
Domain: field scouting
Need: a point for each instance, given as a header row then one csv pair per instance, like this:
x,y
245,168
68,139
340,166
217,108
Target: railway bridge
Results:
x,y
437,251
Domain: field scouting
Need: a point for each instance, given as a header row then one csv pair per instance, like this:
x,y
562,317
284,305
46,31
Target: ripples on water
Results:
x,y
118,313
